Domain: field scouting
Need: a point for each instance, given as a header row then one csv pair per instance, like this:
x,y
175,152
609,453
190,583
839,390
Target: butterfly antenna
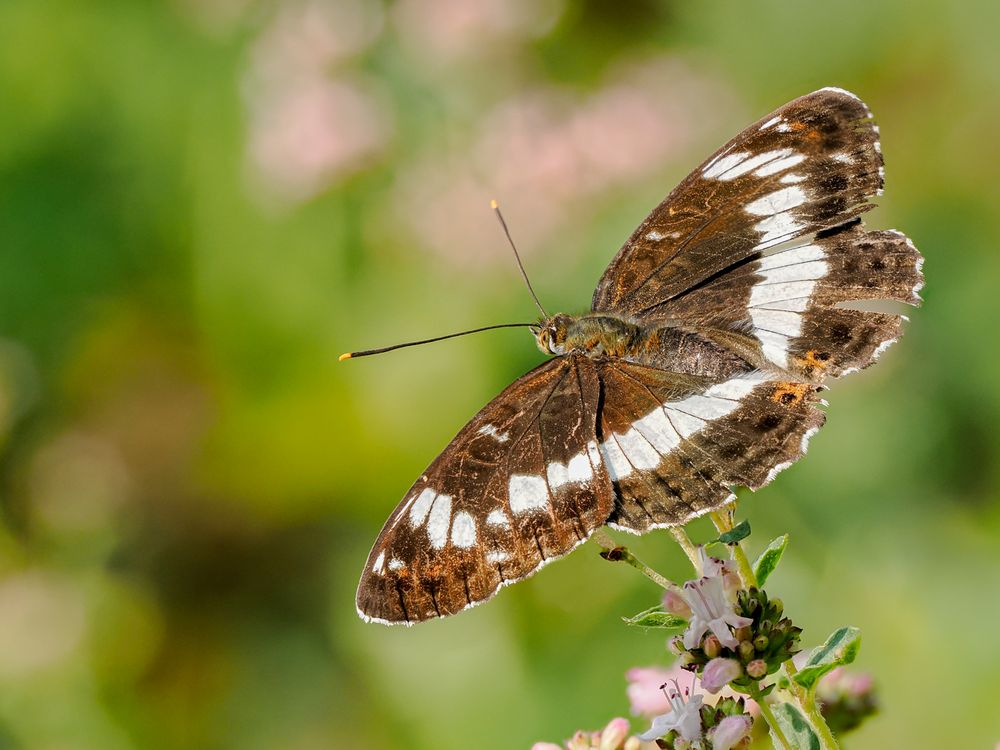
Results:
x,y
369,352
520,265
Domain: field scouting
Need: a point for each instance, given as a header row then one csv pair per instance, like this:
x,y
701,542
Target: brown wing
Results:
x,y
675,445
790,300
811,165
521,484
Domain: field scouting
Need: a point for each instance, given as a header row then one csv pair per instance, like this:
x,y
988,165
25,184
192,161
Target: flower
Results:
x,y
647,699
725,569
684,717
711,611
720,672
731,731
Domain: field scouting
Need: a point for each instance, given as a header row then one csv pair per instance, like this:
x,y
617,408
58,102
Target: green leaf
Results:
x,y
798,731
654,617
840,648
769,559
736,534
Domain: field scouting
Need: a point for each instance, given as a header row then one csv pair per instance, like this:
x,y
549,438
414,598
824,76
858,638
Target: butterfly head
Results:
x,y
551,334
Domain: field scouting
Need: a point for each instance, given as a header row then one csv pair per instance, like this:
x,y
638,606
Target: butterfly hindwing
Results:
x,y
675,445
521,484
790,300
811,165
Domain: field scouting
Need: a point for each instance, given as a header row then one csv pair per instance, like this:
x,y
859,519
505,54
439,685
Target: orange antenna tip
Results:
x,y
345,355
494,204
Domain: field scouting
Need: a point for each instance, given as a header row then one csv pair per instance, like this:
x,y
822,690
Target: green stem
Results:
x,y
771,719
723,520
616,553
688,546
807,701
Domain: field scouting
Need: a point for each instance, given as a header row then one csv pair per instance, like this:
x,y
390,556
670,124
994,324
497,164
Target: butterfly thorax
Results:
x,y
662,344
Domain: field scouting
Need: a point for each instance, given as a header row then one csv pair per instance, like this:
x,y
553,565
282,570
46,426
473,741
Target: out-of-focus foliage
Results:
x,y
203,202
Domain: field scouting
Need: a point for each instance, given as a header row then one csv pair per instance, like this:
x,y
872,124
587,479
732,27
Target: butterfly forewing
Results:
x,y
521,484
811,165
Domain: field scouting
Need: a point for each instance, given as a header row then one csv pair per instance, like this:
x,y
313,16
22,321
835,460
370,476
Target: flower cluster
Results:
x,y
738,642
690,725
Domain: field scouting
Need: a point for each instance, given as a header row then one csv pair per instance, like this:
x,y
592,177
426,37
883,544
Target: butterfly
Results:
x,y
697,369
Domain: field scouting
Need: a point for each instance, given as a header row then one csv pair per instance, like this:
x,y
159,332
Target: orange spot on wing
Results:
x,y
789,394
813,361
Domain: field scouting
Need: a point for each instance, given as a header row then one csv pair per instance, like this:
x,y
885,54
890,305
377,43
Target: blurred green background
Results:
x,y
203,202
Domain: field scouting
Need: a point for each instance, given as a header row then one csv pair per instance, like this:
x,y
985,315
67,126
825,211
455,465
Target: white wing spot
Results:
x,y
777,321
792,178
496,556
792,255
498,518
656,428
780,165
748,165
576,470
395,564
717,167
777,229
463,530
737,388
640,453
784,127
781,200
491,431
654,235
615,461
439,521
527,493
661,430
843,158
421,506
788,280
773,121
379,562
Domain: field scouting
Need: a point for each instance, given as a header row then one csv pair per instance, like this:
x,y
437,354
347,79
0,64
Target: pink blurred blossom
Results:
x,y
315,131
310,125
444,31
549,156
309,35
644,694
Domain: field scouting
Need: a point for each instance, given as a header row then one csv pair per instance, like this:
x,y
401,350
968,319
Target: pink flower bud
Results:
x,y
545,746
614,734
719,673
731,731
711,647
757,669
